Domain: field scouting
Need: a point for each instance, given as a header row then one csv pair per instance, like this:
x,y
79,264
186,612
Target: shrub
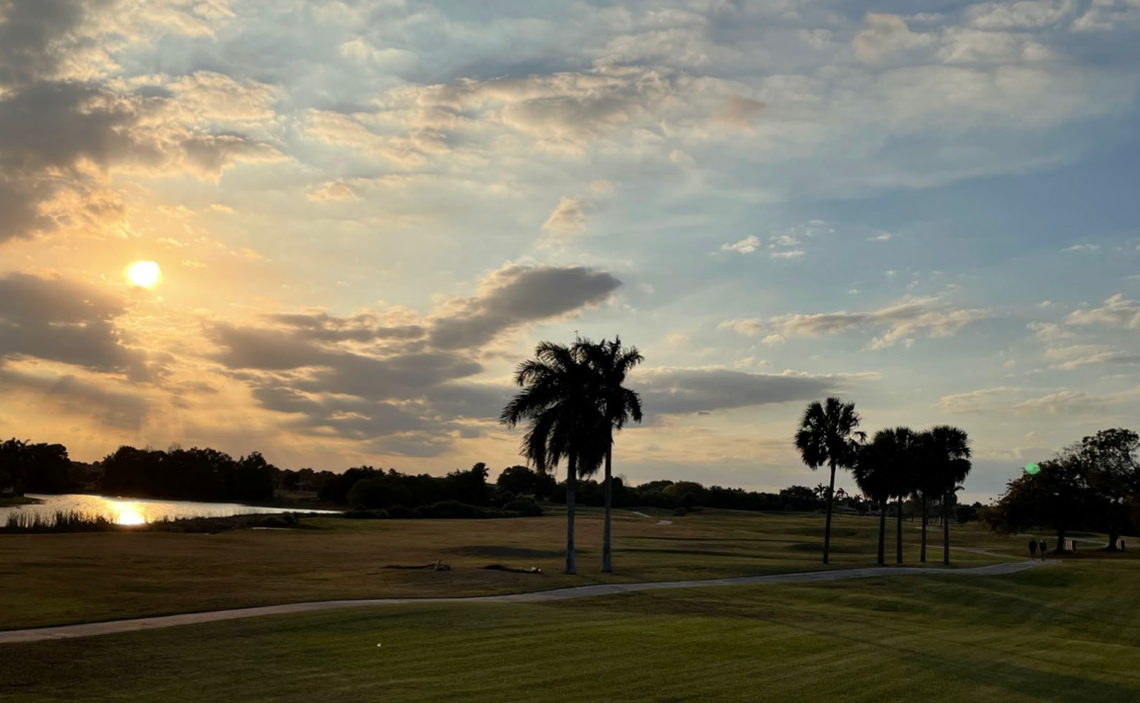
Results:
x,y
453,510
524,506
399,512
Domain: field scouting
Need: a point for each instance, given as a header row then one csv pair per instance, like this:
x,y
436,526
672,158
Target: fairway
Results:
x,y
70,578
1039,635
1058,633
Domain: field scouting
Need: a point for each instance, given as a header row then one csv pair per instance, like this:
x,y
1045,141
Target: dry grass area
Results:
x,y
67,578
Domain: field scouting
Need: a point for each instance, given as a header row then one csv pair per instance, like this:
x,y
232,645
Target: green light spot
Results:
x,y
1032,469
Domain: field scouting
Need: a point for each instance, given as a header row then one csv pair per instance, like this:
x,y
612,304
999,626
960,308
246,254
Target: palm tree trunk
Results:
x,y
946,529
571,485
898,534
827,526
607,558
882,530
922,551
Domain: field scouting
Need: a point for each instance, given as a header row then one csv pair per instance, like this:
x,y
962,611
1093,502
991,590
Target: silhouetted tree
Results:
x,y
1113,474
827,435
612,363
872,473
946,454
1058,496
560,399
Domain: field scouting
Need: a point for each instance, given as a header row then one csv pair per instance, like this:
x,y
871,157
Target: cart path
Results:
x,y
602,589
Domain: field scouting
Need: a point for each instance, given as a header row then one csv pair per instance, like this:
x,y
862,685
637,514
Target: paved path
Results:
x,y
605,589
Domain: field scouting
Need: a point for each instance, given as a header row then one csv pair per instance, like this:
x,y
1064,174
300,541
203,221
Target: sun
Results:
x,y
144,274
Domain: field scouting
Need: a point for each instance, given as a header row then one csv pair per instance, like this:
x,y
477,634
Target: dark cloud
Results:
x,y
266,349
29,30
74,395
59,320
357,377
357,328
517,295
682,391
51,123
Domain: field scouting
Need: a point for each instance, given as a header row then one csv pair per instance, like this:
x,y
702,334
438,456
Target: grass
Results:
x,y
57,579
1058,633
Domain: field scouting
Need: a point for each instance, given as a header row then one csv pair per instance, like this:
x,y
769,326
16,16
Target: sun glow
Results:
x,y
144,274
128,514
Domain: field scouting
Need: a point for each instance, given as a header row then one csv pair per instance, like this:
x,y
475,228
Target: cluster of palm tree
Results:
x,y
896,464
574,400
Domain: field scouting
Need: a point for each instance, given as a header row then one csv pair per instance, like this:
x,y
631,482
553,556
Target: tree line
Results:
x,y
1093,484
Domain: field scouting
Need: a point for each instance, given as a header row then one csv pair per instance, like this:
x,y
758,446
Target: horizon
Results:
x,y
330,232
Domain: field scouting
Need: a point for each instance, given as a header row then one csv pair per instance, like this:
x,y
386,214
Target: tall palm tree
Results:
x,y
950,454
612,363
559,398
872,475
926,480
827,435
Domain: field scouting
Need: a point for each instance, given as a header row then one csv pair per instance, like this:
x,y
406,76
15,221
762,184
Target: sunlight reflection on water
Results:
x,y
134,511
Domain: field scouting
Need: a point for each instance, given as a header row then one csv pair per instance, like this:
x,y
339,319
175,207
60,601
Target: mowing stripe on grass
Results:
x,y
134,625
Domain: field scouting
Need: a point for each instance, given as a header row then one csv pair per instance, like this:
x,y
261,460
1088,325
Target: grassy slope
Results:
x,y
1061,633
57,579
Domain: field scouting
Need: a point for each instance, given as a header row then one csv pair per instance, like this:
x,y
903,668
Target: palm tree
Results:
x,y
896,449
827,435
612,363
872,475
926,480
560,400
950,454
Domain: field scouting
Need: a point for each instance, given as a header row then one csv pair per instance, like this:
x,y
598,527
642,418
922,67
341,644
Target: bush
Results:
x,y
524,506
453,510
399,512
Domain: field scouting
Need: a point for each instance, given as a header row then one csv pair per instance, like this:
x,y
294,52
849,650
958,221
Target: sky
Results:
x,y
367,213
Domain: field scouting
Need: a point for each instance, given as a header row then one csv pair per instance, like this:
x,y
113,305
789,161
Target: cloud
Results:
x,y
690,390
74,396
746,326
567,219
1115,312
1078,355
892,324
333,191
516,295
743,246
403,385
64,124
976,401
60,320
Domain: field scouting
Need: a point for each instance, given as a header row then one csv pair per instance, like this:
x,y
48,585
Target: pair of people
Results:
x,y
1034,545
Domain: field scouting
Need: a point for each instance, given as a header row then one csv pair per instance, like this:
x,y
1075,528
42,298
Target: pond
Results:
x,y
136,511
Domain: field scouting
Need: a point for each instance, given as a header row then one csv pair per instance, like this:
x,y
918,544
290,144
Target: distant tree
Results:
x,y
1058,497
519,480
1113,474
560,399
612,362
689,500
799,498
827,436
470,486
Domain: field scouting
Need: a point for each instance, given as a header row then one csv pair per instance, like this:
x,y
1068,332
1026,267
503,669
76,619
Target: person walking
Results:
x,y
1032,548
1043,548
